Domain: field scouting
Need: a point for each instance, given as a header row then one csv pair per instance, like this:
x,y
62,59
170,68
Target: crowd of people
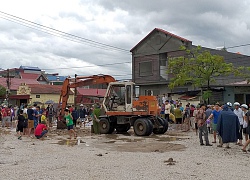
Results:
x,y
229,123
35,121
27,118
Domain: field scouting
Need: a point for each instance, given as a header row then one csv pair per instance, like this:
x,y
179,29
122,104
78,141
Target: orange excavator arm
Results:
x,y
79,82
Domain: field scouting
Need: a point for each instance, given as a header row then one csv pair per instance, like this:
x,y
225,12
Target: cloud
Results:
x,y
118,23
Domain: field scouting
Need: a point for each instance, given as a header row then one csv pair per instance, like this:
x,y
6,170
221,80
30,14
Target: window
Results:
x,y
41,78
146,68
37,96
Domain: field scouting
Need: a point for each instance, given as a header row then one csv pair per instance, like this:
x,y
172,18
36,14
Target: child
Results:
x,y
70,124
43,117
41,130
20,125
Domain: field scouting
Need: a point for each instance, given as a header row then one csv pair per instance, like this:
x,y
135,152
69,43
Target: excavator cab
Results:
x,y
119,97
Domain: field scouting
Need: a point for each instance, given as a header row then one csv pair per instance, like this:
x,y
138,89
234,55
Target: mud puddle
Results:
x,y
153,143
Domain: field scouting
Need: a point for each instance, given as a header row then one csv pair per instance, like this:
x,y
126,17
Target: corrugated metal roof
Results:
x,y
45,89
16,82
92,92
29,76
30,68
56,78
163,31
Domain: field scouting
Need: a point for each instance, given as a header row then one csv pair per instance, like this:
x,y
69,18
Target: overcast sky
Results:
x,y
119,23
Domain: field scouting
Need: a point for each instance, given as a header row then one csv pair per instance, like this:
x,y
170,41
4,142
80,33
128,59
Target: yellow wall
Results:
x,y
25,89
54,97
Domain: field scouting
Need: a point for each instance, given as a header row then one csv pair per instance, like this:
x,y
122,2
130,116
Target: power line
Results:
x,y
56,32
242,45
101,65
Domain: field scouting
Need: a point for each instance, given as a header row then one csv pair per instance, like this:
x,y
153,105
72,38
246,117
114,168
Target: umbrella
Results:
x,y
49,102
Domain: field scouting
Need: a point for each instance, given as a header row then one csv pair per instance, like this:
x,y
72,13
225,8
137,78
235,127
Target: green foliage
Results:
x,y
197,67
243,72
206,95
2,90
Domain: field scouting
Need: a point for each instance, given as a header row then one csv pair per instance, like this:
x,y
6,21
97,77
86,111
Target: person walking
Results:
x,y
202,126
228,127
238,111
215,115
70,124
167,109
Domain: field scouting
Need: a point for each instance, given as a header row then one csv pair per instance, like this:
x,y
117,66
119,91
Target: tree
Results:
x,y
2,90
198,67
243,72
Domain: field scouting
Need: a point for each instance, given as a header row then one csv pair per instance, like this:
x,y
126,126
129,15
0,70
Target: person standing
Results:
x,y
30,113
228,127
201,119
208,112
178,115
167,109
74,115
82,115
51,113
96,115
215,115
247,129
20,124
164,98
244,108
238,111
195,120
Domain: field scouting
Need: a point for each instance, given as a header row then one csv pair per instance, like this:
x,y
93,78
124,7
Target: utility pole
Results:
x,y
75,96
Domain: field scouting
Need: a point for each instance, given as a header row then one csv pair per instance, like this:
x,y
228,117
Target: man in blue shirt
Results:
x,y
215,115
30,113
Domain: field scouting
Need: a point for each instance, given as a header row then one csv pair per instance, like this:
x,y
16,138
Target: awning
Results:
x,y
187,97
19,96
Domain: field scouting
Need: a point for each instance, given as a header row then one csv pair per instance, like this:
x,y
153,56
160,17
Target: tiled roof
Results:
x,y
29,76
16,82
45,89
92,92
163,31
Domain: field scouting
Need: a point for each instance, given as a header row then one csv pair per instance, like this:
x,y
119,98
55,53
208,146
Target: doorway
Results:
x,y
239,98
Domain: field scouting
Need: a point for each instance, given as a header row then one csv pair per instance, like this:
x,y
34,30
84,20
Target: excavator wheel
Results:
x,y
165,125
162,122
150,127
142,127
106,127
122,128
159,130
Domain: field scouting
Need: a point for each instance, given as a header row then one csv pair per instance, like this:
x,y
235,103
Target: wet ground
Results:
x,y
127,142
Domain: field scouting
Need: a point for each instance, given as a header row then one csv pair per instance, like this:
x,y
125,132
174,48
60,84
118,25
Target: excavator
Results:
x,y
122,109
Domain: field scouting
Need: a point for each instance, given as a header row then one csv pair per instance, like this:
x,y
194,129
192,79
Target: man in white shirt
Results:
x,y
167,109
238,111
164,98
